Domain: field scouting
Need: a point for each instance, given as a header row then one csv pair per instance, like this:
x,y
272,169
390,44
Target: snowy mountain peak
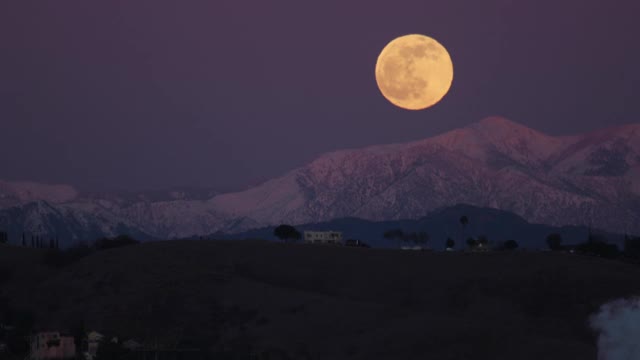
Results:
x,y
497,122
500,141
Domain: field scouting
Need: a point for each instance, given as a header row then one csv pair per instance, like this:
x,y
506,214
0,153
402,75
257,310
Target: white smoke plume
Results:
x,y
618,327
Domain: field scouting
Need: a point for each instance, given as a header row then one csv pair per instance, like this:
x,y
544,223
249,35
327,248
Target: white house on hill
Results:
x,y
323,237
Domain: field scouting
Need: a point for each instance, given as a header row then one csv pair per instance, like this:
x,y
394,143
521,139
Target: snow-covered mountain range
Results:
x,y
588,179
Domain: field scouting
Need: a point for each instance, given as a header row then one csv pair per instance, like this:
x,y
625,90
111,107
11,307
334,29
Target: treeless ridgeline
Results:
x,y
322,302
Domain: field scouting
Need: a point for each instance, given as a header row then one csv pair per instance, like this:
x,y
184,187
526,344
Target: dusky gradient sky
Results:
x,y
227,93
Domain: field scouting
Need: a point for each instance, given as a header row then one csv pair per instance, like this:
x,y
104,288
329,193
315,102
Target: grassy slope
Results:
x,y
320,302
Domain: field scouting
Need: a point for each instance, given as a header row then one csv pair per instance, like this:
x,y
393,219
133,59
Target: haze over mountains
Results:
x,y
589,179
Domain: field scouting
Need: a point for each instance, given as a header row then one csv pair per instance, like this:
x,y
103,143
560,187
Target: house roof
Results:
x,y
95,336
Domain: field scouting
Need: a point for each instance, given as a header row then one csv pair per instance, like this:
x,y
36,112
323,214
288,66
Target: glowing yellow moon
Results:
x,y
414,72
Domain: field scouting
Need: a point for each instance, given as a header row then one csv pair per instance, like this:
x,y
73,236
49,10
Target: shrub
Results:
x,y
510,245
472,243
450,244
287,232
554,241
632,247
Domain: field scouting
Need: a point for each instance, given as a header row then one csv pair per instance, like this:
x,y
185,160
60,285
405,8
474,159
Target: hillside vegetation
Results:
x,y
265,300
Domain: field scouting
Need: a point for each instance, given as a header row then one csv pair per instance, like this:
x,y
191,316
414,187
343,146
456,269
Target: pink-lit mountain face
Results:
x,y
589,179
586,179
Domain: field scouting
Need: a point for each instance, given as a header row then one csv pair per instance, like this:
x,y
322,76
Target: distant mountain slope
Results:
x,y
67,224
497,225
591,179
577,180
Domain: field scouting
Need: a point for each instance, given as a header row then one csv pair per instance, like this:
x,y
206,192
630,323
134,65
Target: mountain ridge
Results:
x,y
588,179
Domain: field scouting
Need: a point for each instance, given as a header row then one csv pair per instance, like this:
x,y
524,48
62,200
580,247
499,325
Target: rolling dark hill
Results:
x,y
239,299
497,225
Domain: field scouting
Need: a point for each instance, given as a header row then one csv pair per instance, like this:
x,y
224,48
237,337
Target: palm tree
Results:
x,y
464,221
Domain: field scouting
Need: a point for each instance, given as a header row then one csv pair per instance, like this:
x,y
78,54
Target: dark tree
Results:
x,y
287,232
632,247
51,244
24,240
450,243
33,242
472,243
3,237
464,221
510,245
482,240
394,234
554,241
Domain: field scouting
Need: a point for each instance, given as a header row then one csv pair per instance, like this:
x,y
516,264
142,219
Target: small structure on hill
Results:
x,y
323,237
132,345
52,345
94,339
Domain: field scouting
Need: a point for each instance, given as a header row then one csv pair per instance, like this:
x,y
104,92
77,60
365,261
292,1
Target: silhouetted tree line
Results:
x,y
473,243
36,241
482,240
414,237
597,245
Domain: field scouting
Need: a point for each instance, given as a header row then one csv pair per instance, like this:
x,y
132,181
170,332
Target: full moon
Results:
x,y
414,72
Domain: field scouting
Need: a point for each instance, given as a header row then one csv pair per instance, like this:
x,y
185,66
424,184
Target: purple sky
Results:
x,y
225,93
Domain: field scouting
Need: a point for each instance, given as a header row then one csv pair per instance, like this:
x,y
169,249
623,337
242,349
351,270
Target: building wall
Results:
x,y
50,345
